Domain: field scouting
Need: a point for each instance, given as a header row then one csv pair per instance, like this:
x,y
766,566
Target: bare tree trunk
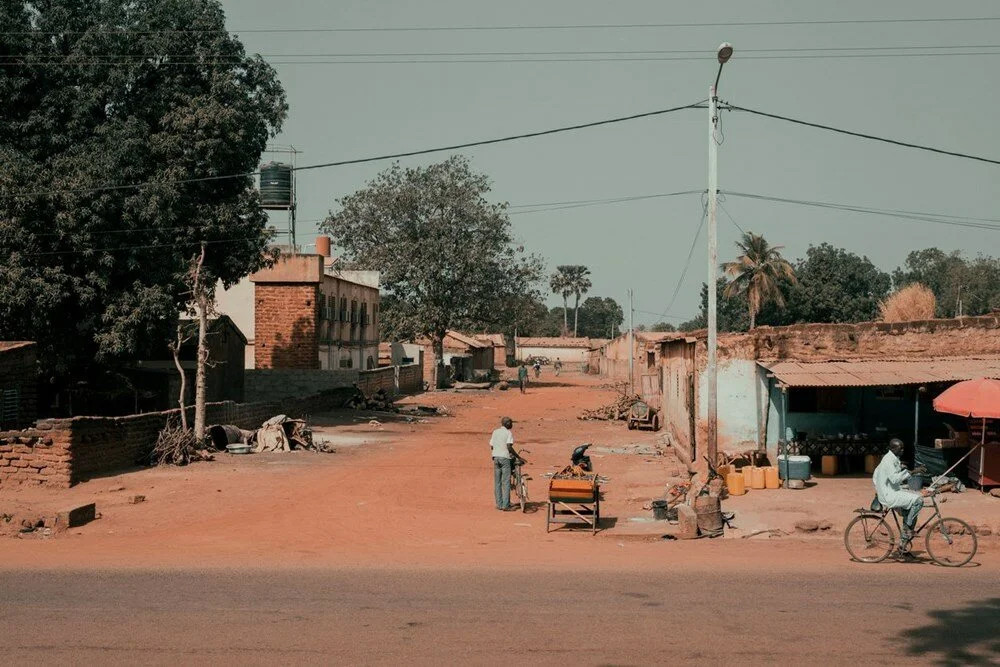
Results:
x,y
201,306
576,314
437,343
175,348
565,329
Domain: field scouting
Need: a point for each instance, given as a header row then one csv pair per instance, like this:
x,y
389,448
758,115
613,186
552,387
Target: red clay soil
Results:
x,y
416,494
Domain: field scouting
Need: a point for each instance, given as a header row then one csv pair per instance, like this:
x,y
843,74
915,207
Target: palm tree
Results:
x,y
559,284
578,284
759,273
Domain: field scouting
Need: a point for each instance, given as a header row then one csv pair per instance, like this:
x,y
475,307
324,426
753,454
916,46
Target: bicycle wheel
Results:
x,y
869,538
951,542
523,493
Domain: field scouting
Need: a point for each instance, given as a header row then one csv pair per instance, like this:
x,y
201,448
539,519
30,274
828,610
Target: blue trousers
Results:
x,y
912,511
501,482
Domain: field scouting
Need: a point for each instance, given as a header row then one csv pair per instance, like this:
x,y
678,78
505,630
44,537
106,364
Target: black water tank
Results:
x,y
276,185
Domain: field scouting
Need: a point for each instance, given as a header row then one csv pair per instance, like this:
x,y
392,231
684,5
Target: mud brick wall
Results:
x,y
18,372
35,457
411,378
380,378
285,325
63,452
273,384
930,339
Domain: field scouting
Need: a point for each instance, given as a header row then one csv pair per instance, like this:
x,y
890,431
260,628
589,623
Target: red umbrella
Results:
x,y
979,399
972,398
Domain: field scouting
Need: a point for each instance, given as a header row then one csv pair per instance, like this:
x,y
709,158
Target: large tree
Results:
x,y
599,316
99,97
834,285
759,273
961,286
578,283
447,255
559,283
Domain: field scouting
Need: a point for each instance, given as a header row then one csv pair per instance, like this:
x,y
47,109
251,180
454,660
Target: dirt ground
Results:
x,y
399,493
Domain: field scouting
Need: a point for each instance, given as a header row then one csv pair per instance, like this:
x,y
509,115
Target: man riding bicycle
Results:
x,y
889,478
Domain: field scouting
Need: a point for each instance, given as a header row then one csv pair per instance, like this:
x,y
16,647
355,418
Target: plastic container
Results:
x,y
870,462
771,480
659,510
747,471
757,478
794,467
916,482
829,465
735,484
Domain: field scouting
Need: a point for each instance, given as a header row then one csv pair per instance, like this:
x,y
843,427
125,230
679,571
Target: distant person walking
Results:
x,y
502,447
557,366
522,376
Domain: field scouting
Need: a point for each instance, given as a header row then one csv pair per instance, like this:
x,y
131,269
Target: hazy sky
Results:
x,y
348,110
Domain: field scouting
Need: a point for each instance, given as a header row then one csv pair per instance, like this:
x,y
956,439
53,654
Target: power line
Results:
x,y
687,262
601,202
731,219
229,63
862,135
136,247
588,26
391,156
892,213
197,57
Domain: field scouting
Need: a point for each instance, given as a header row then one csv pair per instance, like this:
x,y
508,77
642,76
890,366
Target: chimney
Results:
x,y
323,246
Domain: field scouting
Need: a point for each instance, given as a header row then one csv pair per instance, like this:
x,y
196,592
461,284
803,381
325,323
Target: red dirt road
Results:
x,y
417,495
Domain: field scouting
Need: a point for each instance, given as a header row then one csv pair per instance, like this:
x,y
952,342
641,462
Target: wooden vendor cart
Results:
x,y
574,500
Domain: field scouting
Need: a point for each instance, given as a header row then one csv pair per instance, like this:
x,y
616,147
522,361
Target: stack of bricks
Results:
x,y
35,457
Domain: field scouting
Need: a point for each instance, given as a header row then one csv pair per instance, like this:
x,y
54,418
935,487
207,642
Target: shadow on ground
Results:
x,y
966,636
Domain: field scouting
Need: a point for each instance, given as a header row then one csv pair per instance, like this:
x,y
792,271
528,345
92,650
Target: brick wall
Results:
x,y
411,378
273,384
285,319
62,452
19,376
394,379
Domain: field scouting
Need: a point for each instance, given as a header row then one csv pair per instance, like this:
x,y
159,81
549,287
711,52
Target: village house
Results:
x,y
466,358
839,390
568,350
503,348
611,360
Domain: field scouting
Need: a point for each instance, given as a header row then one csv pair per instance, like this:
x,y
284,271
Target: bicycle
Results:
x,y
949,542
517,480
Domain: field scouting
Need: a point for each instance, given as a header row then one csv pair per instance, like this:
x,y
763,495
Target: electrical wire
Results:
x,y
687,264
601,202
435,61
391,156
196,57
891,213
862,135
731,219
585,26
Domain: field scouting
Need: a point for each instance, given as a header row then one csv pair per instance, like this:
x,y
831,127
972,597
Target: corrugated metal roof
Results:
x,y
881,373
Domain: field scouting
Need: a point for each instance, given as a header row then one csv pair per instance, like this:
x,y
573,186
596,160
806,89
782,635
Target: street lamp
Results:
x,y
724,53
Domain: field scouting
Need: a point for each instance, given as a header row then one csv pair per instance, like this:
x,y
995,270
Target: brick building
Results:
x,y
309,315
18,383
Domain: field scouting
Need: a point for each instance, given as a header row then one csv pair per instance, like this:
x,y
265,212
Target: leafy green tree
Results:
x,y
94,268
732,313
759,274
960,285
664,327
599,316
579,283
446,254
834,285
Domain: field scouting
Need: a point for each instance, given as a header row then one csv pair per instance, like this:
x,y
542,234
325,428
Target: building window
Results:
x,y
346,362
817,399
10,403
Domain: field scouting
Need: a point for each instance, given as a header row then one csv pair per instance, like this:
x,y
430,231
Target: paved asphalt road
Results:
x,y
859,614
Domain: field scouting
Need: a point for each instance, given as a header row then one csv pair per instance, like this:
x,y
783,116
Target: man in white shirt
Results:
x,y
889,478
502,446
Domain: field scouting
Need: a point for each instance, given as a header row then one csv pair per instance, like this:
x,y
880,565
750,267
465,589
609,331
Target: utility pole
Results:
x,y
631,346
724,53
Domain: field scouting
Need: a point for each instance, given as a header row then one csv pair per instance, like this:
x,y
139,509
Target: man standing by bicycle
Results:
x,y
889,478
502,446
